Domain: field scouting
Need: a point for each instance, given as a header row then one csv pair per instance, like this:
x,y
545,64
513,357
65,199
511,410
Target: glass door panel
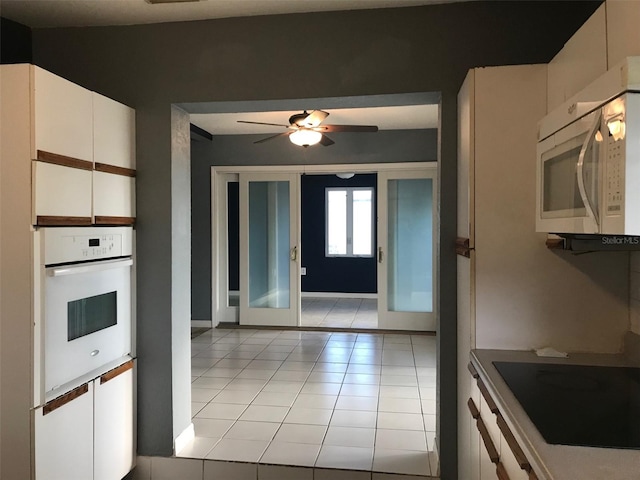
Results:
x,y
406,261
269,271
410,258
269,245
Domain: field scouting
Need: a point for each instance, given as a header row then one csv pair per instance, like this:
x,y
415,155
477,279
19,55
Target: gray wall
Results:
x,y
422,49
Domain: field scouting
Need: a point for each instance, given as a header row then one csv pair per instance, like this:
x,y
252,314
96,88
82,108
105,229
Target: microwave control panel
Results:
x,y
78,244
614,176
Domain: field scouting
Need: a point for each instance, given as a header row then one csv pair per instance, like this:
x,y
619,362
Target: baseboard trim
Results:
x,y
201,323
338,295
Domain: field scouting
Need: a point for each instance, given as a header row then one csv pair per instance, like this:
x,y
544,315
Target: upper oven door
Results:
x,y
569,177
87,318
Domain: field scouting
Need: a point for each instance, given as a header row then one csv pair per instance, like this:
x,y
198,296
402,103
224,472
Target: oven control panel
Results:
x,y
78,244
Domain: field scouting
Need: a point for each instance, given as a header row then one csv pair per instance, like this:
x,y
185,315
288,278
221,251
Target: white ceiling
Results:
x,y
386,118
79,13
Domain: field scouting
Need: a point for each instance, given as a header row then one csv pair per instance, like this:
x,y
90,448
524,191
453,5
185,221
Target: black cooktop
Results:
x,y
578,405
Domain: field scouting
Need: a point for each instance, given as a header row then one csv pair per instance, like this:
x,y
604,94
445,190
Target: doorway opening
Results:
x,y
273,265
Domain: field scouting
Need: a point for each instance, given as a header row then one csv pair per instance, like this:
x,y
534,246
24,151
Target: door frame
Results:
x,y
219,177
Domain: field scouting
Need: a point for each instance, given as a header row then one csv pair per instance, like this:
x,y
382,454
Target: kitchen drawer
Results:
x,y
487,408
61,194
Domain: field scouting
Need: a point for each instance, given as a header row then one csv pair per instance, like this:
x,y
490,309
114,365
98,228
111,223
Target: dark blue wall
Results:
x,y
15,42
331,274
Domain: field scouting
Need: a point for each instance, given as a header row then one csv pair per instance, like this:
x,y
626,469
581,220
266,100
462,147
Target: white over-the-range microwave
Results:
x,y
588,169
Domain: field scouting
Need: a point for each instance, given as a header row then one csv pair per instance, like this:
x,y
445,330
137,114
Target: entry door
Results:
x,y
406,255
269,249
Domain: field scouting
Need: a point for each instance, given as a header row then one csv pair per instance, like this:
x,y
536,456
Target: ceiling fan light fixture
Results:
x,y
305,138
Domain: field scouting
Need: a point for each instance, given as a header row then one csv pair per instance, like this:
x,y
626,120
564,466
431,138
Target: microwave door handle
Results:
x,y
88,267
580,173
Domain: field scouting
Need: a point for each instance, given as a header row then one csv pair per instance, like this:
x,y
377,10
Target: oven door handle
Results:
x,y
88,267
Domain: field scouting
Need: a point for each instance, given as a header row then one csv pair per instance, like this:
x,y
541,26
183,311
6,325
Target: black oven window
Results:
x,y
91,314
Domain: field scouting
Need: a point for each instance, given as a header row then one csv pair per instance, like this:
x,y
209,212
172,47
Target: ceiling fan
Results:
x,y
306,129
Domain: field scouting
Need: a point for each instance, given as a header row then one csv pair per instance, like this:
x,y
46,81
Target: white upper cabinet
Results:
x,y
623,30
114,156
583,59
113,198
61,195
62,117
113,133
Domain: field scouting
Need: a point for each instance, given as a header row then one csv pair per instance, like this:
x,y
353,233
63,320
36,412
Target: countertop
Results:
x,y
555,462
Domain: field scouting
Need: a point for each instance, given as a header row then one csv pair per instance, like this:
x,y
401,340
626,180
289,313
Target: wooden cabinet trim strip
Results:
x,y
56,221
488,443
472,370
106,168
501,472
111,374
105,220
475,413
63,160
513,444
64,399
487,397
532,475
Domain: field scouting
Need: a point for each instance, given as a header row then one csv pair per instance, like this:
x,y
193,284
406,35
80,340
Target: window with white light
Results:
x,y
349,222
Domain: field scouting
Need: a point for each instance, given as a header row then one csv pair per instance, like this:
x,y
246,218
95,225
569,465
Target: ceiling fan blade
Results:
x,y
273,136
315,118
326,141
347,128
264,123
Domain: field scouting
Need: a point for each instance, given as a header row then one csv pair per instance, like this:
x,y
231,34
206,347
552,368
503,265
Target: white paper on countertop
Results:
x,y
550,352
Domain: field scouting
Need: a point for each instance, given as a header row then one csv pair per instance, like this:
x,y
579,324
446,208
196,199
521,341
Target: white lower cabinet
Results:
x,y
64,438
88,433
113,447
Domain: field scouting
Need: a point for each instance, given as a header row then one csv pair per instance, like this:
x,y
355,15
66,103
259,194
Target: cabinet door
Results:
x,y
62,117
64,436
113,198
113,133
114,424
623,34
62,195
582,60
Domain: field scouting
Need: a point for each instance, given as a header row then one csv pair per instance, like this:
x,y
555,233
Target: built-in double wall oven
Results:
x,y
83,305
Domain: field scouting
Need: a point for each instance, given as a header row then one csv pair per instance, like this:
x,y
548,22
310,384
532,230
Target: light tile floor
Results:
x,y
355,401
339,312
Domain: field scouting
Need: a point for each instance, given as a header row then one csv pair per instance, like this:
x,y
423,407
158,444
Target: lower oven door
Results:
x,y
87,318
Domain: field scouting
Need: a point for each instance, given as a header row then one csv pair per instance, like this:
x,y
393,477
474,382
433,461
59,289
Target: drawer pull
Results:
x,y
487,397
513,444
64,399
532,475
501,472
116,371
475,413
472,369
488,443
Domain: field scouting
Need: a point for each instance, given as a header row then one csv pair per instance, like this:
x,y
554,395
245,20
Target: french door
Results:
x,y
406,255
269,249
